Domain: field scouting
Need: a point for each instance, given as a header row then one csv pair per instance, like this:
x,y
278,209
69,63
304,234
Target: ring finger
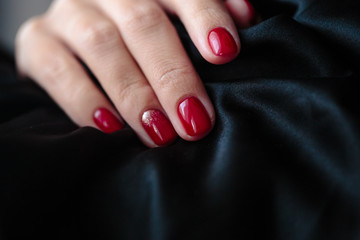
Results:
x,y
154,43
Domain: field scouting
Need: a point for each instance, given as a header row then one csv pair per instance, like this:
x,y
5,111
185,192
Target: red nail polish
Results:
x,y
194,117
221,42
106,121
158,127
253,16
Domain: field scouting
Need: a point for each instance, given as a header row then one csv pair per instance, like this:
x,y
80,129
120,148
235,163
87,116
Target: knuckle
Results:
x,y
30,27
127,91
54,71
71,95
141,18
25,37
97,35
205,9
169,76
206,14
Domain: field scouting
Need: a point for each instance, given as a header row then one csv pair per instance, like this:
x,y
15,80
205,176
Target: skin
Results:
x,y
130,46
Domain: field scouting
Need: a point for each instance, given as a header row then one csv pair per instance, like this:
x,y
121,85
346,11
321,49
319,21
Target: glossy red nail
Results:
x,y
194,117
106,121
253,16
221,42
158,127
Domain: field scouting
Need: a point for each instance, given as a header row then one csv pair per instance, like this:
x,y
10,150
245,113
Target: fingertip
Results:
x,y
243,13
196,120
212,29
158,128
106,121
224,46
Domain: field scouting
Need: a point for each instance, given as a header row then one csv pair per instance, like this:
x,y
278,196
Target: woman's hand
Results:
x,y
135,53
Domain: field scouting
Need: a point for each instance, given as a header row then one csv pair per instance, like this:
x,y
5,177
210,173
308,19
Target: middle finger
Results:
x,y
154,43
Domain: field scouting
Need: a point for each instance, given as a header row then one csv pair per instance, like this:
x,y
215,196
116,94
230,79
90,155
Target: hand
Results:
x,y
135,53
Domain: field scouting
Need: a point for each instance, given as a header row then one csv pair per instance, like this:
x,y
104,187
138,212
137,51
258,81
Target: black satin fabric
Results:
x,y
283,161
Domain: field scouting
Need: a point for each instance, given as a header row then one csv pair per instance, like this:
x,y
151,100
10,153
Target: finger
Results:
x,y
242,12
45,59
153,42
210,27
97,41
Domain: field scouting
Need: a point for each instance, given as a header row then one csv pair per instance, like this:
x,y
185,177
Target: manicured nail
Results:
x,y
221,42
158,127
194,117
253,15
106,121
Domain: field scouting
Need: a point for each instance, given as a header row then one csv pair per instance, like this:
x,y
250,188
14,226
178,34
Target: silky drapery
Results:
x,y
283,161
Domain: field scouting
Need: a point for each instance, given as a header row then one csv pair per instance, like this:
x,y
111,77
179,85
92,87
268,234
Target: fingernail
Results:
x,y
106,121
194,117
253,15
158,127
221,42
